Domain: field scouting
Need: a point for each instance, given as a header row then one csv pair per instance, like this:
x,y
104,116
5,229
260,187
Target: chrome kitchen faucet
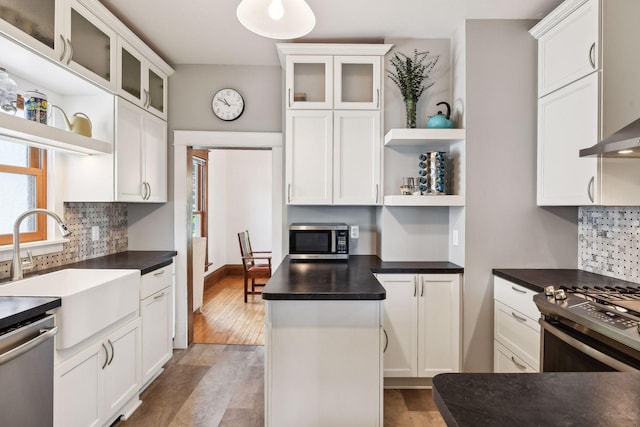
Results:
x,y
16,262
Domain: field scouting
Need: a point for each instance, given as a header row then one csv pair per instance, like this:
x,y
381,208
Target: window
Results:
x,y
23,180
199,223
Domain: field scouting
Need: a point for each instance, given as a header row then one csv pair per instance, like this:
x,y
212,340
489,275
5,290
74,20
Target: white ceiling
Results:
x,y
208,32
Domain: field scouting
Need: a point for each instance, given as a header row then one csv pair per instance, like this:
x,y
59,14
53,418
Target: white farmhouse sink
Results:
x,y
91,299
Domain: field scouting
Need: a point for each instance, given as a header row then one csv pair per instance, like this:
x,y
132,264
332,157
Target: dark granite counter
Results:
x,y
18,309
145,261
537,279
549,399
342,280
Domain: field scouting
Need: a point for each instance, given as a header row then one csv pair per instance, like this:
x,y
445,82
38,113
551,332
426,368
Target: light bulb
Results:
x,y
276,10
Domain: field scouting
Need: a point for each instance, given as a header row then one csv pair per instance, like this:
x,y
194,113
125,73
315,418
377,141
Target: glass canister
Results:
x,y
35,106
8,92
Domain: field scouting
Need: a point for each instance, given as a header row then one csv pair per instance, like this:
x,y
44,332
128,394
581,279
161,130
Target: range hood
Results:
x,y
622,144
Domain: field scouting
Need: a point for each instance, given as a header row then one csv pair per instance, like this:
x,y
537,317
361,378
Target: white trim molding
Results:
x,y
555,16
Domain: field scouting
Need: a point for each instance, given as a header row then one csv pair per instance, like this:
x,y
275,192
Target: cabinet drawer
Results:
x,y
517,332
515,296
155,281
505,361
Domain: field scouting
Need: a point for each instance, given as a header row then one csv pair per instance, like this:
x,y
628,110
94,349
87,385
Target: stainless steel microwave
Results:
x,y
318,241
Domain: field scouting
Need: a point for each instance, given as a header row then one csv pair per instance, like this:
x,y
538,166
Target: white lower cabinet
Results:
x,y
91,387
323,363
516,330
156,308
421,324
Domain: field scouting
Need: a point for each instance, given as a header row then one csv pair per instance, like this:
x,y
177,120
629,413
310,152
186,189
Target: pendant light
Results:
x,y
277,19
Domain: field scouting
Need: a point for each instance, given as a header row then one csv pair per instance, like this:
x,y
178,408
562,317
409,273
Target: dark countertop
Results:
x,y
537,279
145,261
342,280
548,399
18,309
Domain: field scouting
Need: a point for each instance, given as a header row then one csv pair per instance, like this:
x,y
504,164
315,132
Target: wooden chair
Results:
x,y
252,269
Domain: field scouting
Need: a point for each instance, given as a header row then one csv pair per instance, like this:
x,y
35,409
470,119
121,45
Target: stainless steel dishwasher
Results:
x,y
26,373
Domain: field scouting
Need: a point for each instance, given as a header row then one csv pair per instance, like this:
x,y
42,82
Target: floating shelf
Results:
x,y
49,137
443,200
423,137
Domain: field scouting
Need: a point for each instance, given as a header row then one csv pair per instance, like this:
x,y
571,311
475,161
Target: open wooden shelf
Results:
x,y
423,137
439,200
33,133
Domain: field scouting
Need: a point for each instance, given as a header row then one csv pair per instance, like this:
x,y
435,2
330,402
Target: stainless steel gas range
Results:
x,y
590,328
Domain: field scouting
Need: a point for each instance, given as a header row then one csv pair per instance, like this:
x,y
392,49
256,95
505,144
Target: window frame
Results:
x,y
37,168
200,156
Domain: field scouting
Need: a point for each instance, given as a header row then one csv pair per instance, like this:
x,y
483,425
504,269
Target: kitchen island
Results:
x,y
548,399
324,340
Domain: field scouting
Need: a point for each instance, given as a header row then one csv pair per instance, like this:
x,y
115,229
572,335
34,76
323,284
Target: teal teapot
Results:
x,y
440,121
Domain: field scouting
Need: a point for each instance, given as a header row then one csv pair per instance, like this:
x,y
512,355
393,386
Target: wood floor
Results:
x,y
226,319
223,385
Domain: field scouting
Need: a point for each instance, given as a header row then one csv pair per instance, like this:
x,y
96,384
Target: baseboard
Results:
x,y
220,273
408,383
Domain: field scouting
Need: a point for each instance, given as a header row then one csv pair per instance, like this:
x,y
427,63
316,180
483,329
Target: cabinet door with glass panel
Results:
x,y
309,82
356,83
139,81
89,47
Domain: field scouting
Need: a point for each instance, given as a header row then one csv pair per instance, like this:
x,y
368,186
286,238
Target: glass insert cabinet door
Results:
x,y
357,82
32,22
309,82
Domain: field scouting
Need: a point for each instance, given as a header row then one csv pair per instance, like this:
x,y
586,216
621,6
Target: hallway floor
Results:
x,y
223,385
226,318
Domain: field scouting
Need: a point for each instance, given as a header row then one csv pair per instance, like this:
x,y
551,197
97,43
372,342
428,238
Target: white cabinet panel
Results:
x,y
517,332
515,296
356,159
568,121
357,83
505,361
155,158
156,332
439,323
569,51
122,374
309,151
400,325
309,82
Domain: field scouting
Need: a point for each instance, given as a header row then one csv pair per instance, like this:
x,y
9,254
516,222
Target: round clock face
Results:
x,y
227,104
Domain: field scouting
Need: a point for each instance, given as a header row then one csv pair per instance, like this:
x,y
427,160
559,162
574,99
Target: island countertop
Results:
x,y
547,399
352,279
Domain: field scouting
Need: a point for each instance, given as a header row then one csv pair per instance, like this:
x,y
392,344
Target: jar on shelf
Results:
x,y
8,93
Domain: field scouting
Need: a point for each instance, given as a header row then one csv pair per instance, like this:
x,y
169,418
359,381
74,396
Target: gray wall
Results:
x,y
191,89
504,227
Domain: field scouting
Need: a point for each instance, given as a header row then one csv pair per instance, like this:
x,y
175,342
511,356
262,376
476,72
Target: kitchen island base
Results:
x,y
323,363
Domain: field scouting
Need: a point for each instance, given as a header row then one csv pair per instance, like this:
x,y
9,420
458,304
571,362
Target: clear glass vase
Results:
x,y
410,106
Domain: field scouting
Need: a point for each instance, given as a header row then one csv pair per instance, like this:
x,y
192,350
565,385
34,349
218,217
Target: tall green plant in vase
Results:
x,y
410,75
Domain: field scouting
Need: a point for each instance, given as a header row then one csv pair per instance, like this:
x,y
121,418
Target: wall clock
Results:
x,y
227,104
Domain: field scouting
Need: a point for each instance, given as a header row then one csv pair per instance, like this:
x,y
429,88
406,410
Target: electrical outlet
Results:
x,y
355,231
95,233
455,237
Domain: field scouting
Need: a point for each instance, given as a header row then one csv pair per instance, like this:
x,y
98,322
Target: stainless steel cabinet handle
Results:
x,y
415,287
159,273
518,290
64,48
590,188
149,194
592,58
289,97
520,318
386,340
106,356
377,192
45,334
159,296
421,286
112,352
144,190
70,51
378,99
519,365
289,193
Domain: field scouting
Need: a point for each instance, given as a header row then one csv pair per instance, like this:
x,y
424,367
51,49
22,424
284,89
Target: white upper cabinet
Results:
x,y
139,81
309,151
37,24
357,83
309,82
569,50
566,119
356,157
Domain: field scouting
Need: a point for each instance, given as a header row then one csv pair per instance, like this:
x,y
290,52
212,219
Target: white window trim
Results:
x,y
42,247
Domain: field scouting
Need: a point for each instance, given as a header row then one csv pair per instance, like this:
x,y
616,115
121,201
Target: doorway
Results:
x,y
184,142
232,193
